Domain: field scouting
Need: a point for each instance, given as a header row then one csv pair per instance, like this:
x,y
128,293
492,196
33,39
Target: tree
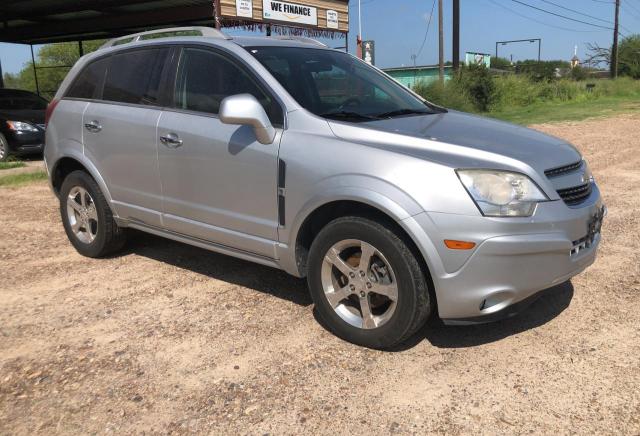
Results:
x,y
501,63
61,56
628,56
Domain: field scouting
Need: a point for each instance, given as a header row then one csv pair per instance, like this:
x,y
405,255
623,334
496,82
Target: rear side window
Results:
x,y
206,78
88,84
134,77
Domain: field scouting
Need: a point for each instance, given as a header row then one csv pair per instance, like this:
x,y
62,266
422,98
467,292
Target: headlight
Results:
x,y
502,193
21,126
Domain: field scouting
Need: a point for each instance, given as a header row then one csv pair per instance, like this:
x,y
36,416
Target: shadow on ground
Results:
x,y
552,302
217,266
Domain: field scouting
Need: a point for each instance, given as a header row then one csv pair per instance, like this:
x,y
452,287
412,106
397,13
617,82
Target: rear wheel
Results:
x,y
87,218
4,148
366,283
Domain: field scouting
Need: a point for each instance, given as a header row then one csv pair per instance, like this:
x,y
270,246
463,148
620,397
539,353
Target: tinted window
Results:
x,y
89,81
333,84
134,77
22,101
206,78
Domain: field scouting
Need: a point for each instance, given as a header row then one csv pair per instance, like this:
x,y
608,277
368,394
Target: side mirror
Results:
x,y
244,109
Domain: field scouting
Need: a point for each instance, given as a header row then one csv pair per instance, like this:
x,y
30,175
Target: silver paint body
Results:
x,y
218,189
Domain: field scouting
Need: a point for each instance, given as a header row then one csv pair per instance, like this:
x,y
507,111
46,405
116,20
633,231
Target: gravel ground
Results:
x,y
172,339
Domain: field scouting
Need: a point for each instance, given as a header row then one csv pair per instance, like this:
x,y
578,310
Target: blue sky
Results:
x,y
398,27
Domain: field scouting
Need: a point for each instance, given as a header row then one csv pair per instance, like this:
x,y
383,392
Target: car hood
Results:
x,y
32,116
469,134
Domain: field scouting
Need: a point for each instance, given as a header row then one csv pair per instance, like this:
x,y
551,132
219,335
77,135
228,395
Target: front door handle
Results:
x,y
93,126
171,140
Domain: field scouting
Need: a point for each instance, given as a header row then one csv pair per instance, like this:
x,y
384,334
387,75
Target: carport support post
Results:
x,y
35,70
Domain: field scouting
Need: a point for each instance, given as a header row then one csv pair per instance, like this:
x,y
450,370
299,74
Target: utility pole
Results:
x,y
456,35
614,50
441,40
359,38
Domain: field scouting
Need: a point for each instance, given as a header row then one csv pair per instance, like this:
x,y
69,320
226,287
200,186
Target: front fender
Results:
x,y
376,193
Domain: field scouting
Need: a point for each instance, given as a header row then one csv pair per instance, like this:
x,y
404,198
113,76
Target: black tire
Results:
x,y
109,236
5,151
413,306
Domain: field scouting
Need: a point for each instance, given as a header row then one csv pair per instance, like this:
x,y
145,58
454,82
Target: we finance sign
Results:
x,y
289,12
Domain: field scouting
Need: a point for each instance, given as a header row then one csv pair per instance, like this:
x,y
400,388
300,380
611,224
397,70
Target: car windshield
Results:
x,y
21,101
335,85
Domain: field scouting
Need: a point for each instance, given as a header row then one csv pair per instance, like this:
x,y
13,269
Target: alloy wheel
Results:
x,y
359,284
82,214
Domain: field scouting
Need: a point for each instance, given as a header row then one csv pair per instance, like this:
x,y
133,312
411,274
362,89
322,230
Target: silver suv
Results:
x,y
283,152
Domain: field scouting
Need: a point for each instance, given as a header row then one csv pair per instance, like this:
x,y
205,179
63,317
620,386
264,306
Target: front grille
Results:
x,y
560,171
580,245
575,195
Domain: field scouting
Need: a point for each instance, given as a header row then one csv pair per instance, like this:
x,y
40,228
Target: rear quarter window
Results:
x,y
88,84
134,76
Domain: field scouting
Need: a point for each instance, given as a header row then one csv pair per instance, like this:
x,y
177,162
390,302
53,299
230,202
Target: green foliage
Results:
x,y
23,178
629,57
578,73
474,90
61,56
501,63
11,164
541,71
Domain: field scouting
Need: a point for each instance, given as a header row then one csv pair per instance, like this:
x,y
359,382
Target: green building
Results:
x,y
409,76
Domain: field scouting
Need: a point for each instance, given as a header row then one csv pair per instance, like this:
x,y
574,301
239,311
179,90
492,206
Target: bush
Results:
x,y
578,73
473,89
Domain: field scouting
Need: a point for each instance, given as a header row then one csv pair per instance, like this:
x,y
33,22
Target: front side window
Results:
x,y
335,85
205,78
134,76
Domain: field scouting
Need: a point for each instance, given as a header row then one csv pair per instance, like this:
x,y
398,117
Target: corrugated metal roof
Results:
x,y
42,21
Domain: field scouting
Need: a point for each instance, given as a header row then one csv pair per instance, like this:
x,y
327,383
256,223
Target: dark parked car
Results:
x,y
21,123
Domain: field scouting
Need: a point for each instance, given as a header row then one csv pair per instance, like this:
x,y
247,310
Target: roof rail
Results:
x,y
299,38
168,32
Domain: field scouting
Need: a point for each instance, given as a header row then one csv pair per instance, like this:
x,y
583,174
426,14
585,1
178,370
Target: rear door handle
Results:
x,y
171,140
93,126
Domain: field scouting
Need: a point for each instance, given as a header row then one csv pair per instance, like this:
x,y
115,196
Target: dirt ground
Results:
x,y
173,339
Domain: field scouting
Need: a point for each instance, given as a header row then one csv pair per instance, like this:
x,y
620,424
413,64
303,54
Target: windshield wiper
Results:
x,y
401,112
345,115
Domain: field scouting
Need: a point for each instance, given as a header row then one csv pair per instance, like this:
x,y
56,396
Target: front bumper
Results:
x,y
513,260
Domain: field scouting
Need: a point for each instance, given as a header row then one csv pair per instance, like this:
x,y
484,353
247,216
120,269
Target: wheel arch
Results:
x,y
319,216
65,165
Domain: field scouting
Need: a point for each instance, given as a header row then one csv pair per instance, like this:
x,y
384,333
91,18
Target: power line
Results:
x,y
539,21
433,6
577,12
582,13
560,15
630,5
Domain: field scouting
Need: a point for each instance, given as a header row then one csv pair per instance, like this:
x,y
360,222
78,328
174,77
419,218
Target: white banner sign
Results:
x,y
289,12
244,8
332,19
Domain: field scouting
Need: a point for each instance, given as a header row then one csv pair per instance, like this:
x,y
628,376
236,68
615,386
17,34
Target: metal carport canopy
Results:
x,y
48,21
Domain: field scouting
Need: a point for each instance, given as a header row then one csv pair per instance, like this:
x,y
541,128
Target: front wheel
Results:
x,y
366,283
87,218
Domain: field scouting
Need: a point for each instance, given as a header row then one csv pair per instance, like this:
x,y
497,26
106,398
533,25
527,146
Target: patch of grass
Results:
x,y
22,179
539,113
523,100
11,164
